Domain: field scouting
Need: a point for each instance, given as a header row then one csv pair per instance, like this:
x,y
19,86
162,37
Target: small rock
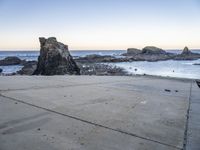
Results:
x,y
196,64
167,90
38,129
1,70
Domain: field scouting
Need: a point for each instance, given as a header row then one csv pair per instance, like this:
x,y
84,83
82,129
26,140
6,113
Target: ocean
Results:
x,y
171,68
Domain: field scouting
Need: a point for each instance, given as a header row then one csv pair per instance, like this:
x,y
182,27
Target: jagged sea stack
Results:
x,y
186,51
55,59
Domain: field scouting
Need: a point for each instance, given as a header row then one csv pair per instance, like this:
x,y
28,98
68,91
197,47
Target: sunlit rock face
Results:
x,y
55,59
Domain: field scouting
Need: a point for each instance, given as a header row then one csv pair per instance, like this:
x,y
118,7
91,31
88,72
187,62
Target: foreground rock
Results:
x,y
55,59
11,61
187,55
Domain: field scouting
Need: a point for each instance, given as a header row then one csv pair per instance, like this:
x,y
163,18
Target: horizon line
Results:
x,y
175,49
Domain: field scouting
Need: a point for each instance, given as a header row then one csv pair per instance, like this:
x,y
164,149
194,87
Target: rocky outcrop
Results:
x,y
187,55
153,58
152,50
95,59
196,64
128,58
55,59
11,61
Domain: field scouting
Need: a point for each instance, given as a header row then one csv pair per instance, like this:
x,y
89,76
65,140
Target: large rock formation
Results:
x,y
152,50
187,55
55,59
10,61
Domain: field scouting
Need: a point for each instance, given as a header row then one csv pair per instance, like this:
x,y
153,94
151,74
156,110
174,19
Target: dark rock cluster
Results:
x,y
101,70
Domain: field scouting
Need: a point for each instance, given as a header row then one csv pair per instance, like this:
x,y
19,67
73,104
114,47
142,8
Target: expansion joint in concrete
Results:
x,y
187,119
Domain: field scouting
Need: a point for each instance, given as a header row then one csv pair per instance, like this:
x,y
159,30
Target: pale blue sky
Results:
x,y
100,24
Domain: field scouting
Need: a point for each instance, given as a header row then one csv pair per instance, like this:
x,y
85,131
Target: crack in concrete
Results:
x,y
92,123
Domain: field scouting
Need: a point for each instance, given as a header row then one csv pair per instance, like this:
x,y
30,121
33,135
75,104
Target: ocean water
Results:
x,y
182,69
33,55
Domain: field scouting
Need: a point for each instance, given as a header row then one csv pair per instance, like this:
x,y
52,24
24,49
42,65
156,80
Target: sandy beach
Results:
x,y
98,112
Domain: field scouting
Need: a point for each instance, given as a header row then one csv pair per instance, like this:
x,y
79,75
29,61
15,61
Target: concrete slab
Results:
x,y
138,107
128,111
25,127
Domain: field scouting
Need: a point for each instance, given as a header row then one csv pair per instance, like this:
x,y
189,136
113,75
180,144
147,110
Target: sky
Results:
x,y
100,24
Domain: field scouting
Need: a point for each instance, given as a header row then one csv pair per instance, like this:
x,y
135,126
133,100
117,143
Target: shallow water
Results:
x,y
11,69
172,68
